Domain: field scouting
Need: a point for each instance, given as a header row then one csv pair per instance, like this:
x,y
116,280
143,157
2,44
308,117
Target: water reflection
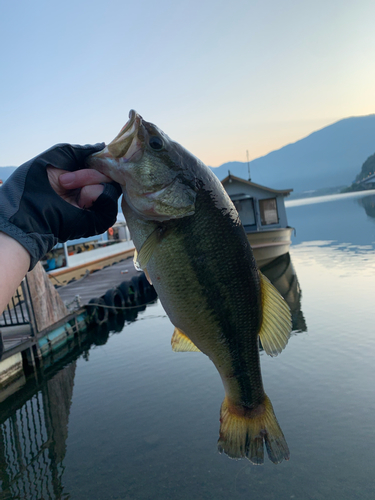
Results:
x,y
283,276
368,203
32,439
34,421
337,218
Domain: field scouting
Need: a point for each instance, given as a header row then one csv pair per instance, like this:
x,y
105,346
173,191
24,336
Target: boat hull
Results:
x,y
268,245
94,260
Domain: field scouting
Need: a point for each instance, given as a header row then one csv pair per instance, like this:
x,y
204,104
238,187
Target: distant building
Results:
x,y
368,183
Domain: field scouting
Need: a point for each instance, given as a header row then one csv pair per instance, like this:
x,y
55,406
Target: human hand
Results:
x,y
40,204
81,188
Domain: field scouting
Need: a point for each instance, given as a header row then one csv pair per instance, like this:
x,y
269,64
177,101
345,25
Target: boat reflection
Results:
x,y
34,420
282,275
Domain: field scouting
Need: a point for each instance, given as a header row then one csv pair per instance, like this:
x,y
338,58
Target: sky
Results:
x,y
219,77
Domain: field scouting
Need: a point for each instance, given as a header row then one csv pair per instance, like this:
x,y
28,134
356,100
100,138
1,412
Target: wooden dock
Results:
x,y
53,317
15,336
96,284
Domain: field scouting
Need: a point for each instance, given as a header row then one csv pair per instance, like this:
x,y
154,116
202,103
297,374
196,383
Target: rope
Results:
x,y
58,281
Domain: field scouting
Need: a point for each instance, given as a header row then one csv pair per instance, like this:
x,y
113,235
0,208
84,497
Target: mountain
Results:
x,y
368,168
329,157
5,172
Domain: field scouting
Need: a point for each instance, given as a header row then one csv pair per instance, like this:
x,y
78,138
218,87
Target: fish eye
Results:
x,y
156,143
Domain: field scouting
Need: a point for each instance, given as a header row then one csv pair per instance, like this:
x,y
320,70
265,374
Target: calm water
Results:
x,y
130,419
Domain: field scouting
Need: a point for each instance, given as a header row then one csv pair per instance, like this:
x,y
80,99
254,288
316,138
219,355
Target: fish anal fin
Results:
x,y
181,342
243,433
277,324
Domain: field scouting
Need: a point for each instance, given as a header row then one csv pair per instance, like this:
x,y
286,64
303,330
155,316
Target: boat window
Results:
x,y
245,209
268,211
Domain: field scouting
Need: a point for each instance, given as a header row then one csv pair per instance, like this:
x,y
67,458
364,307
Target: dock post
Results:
x,y
47,306
33,362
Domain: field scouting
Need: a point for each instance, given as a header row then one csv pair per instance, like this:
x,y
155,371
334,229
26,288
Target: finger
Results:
x,y
81,178
69,195
89,194
53,177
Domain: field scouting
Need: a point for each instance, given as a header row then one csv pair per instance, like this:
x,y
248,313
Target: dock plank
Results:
x,y
96,284
15,335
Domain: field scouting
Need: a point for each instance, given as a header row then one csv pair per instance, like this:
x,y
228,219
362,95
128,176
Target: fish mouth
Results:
x,y
126,144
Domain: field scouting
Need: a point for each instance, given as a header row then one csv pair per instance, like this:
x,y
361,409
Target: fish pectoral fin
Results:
x,y
135,261
142,257
147,275
181,342
139,268
277,324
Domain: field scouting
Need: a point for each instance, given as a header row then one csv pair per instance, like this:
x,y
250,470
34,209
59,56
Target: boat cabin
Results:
x,y
260,208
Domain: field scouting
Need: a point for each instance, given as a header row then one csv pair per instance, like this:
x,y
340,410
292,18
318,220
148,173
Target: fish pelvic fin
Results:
x,y
277,323
243,433
181,342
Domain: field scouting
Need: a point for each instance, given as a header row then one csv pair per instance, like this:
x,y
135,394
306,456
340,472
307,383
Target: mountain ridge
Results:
x,y
328,157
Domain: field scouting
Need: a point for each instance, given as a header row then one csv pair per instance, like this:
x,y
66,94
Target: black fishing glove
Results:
x,y
32,213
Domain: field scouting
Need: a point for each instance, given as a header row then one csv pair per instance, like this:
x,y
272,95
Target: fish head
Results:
x,y
157,175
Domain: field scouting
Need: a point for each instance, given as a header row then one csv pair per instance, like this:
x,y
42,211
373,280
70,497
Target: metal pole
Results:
x,y
29,307
66,254
248,164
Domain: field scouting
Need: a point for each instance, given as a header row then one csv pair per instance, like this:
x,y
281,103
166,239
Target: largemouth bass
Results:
x,y
193,248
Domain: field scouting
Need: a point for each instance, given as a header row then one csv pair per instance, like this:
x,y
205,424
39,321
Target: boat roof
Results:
x,y
284,192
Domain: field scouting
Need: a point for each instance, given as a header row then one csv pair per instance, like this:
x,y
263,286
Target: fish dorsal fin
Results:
x,y
181,342
142,257
276,325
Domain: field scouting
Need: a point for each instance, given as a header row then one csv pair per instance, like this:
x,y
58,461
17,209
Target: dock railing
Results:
x,y
20,309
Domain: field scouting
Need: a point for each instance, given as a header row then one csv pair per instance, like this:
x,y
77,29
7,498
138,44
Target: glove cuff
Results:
x,y
36,244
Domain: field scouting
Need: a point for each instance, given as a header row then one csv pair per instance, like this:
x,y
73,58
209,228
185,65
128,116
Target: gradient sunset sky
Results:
x,y
220,77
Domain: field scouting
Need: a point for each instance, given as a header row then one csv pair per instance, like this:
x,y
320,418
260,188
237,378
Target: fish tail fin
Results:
x,y
243,433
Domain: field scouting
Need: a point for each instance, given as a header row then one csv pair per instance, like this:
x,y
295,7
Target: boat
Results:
x,y
76,258
263,215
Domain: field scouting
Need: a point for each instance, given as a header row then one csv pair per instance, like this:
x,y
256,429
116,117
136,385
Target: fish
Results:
x,y
193,248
